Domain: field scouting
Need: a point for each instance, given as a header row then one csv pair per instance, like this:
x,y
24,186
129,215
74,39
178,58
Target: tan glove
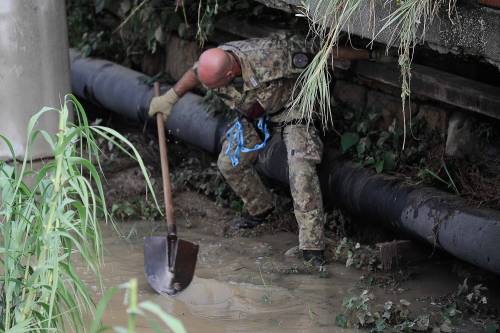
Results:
x,y
163,104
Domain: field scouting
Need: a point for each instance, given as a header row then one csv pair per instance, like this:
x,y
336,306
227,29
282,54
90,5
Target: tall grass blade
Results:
x,y
49,221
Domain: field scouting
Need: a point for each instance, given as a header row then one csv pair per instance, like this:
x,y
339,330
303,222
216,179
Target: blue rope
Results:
x,y
236,138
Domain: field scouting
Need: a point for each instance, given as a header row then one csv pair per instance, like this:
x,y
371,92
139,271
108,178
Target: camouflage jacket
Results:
x,y
270,67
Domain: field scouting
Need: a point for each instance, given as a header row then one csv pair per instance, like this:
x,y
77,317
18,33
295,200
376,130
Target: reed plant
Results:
x,y
327,18
158,320
407,21
50,216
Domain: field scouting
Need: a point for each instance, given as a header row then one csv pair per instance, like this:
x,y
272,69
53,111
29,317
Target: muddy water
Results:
x,y
243,284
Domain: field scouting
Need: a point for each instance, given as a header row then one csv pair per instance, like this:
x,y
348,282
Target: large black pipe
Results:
x,y
124,91
438,218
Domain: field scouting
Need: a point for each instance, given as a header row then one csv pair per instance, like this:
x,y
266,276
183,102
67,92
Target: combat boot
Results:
x,y
247,221
315,258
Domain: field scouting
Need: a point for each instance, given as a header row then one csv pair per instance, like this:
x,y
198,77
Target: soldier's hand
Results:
x,y
383,55
163,104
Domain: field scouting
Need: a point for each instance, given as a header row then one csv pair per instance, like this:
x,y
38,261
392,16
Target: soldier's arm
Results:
x,y
187,82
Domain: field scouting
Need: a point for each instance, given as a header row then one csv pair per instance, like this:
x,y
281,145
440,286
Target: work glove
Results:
x,y
163,104
383,56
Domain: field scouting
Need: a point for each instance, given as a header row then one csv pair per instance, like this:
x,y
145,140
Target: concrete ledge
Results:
x,y
475,30
427,82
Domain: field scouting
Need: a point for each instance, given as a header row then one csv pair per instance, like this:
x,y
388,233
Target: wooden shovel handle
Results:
x,y
167,188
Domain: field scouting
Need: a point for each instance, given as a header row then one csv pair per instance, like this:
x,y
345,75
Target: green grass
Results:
x,y
47,221
327,20
144,309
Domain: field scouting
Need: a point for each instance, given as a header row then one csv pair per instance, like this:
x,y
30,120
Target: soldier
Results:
x,y
256,77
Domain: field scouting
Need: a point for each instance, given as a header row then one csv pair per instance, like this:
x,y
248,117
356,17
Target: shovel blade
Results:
x,y
163,278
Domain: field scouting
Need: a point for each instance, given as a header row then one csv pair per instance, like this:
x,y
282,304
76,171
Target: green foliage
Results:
x,y
471,299
125,210
135,309
407,22
450,183
349,140
359,313
327,20
356,255
369,145
125,30
206,179
91,31
47,216
121,30
491,328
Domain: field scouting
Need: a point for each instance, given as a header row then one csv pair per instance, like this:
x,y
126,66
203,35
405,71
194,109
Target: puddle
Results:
x,y
231,292
240,285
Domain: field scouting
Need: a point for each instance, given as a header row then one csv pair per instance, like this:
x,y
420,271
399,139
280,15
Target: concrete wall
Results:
x,y
34,69
475,30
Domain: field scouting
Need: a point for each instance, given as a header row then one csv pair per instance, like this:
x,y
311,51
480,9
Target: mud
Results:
x,y
247,284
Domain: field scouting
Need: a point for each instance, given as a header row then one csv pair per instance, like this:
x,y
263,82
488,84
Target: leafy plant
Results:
x,y
327,20
356,255
49,219
125,30
370,145
358,313
450,183
134,310
407,21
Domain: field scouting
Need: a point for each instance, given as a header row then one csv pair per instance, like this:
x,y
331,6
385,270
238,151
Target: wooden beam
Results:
x,y
438,85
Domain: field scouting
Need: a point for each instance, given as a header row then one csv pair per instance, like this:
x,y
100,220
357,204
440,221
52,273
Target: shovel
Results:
x,y
169,261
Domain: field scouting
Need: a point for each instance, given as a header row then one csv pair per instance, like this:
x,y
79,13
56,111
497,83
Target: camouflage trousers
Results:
x,y
304,151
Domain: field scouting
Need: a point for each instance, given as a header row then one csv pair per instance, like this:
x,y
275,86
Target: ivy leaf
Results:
x,y
341,321
389,161
363,145
348,140
491,328
380,325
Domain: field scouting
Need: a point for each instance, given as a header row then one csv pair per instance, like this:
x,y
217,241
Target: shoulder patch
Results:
x,y
300,60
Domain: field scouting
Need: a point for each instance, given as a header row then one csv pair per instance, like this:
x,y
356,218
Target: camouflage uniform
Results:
x,y
268,78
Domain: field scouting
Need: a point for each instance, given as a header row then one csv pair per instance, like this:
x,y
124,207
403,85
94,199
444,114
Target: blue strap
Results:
x,y
236,138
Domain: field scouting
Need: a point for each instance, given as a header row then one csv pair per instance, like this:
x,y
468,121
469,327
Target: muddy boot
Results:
x,y
315,258
247,221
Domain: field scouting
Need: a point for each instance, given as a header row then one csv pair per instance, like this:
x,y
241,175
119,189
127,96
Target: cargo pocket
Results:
x,y
303,143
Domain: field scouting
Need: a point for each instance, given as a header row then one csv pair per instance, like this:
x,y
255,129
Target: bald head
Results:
x,y
216,68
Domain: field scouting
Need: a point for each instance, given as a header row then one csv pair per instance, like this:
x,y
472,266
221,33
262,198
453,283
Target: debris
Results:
x,y
293,252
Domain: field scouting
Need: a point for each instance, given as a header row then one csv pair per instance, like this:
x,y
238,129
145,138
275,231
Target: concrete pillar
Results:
x,y
34,69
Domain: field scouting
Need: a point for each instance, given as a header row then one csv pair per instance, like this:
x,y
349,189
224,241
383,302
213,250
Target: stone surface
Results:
x,y
434,117
153,64
390,107
473,31
352,95
427,83
460,140
180,56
